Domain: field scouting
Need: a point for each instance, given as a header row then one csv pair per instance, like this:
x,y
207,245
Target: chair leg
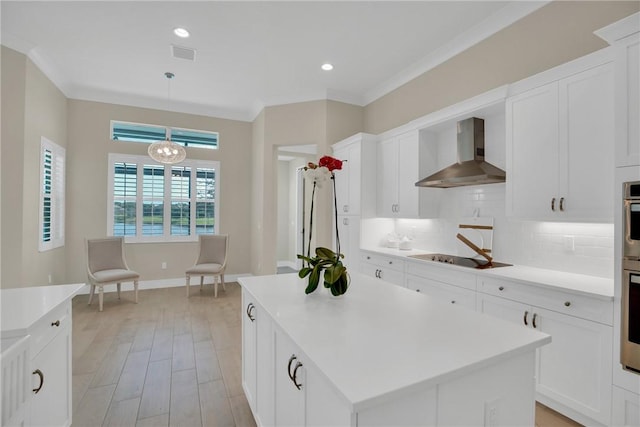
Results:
x,y
118,290
91,292
215,286
201,282
100,296
188,280
222,279
135,290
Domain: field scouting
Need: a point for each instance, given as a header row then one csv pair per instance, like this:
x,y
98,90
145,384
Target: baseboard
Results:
x,y
290,264
163,283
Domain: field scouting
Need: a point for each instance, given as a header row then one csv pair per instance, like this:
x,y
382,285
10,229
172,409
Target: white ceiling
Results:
x,y
249,54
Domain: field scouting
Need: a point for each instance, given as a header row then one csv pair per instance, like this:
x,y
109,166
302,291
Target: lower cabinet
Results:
x,y
389,269
444,292
16,381
626,408
573,373
302,396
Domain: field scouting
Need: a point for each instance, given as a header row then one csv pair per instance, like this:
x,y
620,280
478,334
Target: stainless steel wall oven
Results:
x,y
630,339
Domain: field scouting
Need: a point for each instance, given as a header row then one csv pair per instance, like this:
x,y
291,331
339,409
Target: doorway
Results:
x,y
293,205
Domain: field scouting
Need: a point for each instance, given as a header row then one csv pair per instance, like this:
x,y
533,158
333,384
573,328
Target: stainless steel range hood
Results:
x,y
471,168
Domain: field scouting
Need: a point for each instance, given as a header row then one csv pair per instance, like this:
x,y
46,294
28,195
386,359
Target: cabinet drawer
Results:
x,y
49,326
446,293
388,263
442,274
387,274
556,300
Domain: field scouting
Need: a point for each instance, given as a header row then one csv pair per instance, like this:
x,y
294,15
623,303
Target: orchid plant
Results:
x,y
325,263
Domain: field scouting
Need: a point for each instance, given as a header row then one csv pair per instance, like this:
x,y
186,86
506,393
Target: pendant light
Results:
x,y
167,151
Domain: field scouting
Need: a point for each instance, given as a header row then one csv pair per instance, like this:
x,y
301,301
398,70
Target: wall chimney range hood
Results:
x,y
471,169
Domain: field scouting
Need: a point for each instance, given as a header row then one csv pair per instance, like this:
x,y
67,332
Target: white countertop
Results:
x,y
22,307
593,286
378,340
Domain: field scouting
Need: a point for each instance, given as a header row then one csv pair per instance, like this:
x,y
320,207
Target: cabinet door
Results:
x,y
249,349
628,101
387,178
354,167
51,406
349,230
289,399
586,135
532,153
575,368
444,292
408,167
265,368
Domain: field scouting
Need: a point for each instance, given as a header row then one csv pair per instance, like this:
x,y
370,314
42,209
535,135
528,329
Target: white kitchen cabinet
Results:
x,y
559,157
402,161
355,192
16,381
302,396
573,373
389,269
626,408
257,360
444,284
624,36
349,230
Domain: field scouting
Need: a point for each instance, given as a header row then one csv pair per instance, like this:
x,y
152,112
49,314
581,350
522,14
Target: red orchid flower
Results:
x,y
330,163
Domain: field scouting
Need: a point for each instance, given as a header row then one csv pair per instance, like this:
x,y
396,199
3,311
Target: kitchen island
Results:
x,y
380,356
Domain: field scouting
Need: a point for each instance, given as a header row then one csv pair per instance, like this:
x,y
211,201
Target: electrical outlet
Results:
x,y
164,265
569,243
491,413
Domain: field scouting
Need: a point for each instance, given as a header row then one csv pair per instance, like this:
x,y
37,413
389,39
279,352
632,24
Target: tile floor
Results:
x,y
169,361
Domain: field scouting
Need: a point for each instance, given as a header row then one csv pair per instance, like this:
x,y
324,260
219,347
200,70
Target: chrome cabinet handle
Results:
x,y
553,204
56,323
567,303
345,208
345,221
524,319
562,204
533,321
39,373
295,376
250,308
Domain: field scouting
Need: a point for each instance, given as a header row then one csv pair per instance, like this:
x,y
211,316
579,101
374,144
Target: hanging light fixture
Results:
x,y
167,151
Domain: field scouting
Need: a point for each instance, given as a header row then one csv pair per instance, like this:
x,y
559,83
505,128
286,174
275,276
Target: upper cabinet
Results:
x,y
355,192
624,35
560,146
402,161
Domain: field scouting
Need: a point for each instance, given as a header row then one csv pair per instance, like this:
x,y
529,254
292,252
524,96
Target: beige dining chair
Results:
x,y
212,260
106,266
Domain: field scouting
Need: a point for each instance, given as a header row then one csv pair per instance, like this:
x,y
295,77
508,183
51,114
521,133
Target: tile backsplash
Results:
x,y
571,247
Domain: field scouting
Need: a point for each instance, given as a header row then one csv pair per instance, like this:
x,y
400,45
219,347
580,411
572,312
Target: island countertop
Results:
x,y
23,307
378,340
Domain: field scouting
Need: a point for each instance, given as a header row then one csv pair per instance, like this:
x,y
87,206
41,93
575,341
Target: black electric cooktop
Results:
x,y
461,261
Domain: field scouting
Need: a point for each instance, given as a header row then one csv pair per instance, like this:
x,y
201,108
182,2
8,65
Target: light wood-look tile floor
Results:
x,y
169,361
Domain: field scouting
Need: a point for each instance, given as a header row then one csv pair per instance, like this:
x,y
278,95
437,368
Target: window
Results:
x,y
51,217
136,132
150,202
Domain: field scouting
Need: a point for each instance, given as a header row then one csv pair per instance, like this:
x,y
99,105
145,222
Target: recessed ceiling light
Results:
x,y
181,32
327,67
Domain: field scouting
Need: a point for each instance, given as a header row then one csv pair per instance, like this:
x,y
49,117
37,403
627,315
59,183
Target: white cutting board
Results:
x,y
479,230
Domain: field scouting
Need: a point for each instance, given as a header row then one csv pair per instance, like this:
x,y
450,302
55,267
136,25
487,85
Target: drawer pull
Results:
x,y
390,262
453,301
501,288
56,323
524,319
567,303
417,290
291,359
562,204
553,204
533,321
39,373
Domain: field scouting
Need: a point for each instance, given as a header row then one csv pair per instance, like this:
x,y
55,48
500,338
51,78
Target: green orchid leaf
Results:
x,y
325,253
304,272
314,278
333,273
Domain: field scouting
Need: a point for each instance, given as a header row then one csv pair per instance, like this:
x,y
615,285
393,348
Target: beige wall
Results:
x,y
89,146
32,108
552,35
13,70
